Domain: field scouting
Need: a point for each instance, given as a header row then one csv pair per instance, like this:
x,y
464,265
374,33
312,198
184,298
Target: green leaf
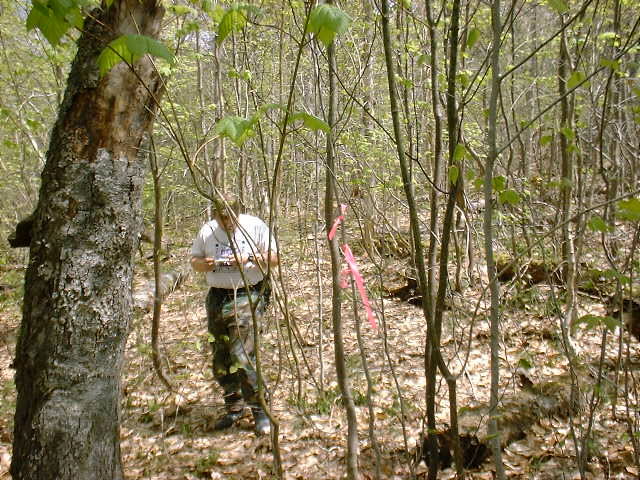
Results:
x,y
612,64
310,121
558,5
509,197
470,174
326,21
454,173
568,133
405,82
629,209
206,5
499,183
180,10
187,28
525,362
611,323
463,79
459,153
597,224
243,75
591,321
594,321
234,20
130,48
473,37
546,140
576,79
216,13
615,275
45,19
609,37
237,129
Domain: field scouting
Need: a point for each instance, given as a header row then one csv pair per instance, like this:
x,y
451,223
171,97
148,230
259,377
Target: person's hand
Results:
x,y
203,264
232,262
210,264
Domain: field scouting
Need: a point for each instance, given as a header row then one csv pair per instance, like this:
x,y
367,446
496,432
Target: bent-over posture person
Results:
x,y
233,250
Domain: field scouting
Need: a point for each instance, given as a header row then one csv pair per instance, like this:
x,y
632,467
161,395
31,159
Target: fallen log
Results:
x,y
516,416
409,292
144,295
531,272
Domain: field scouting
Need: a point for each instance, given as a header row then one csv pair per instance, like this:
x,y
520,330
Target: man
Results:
x,y
234,250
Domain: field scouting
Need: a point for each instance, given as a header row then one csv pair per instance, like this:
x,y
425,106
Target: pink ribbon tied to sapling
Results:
x,y
352,269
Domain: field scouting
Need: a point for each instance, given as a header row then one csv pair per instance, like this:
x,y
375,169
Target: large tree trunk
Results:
x,y
77,300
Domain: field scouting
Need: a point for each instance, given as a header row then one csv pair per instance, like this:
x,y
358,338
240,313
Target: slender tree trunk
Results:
x,y
77,300
566,193
433,323
330,196
494,288
158,224
201,103
429,291
369,200
217,165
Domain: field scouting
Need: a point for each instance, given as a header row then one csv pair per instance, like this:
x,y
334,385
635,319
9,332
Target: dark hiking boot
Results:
x,y
262,423
227,420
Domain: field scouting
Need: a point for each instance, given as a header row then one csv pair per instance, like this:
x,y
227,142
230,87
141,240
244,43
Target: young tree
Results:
x,y
77,300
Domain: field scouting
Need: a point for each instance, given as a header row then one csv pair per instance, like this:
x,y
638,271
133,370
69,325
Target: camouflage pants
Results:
x,y
231,328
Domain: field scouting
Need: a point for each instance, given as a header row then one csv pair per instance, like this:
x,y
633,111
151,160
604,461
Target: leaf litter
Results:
x,y
169,435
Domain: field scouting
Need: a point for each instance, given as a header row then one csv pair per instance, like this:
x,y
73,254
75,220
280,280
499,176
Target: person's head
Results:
x,y
227,209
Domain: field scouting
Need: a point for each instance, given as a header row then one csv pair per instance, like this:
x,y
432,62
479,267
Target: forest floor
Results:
x,y
169,435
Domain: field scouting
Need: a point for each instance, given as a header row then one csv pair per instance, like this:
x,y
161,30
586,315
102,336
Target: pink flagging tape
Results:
x,y
338,221
357,277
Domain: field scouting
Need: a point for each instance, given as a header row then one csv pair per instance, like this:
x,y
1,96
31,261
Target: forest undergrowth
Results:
x,y
169,435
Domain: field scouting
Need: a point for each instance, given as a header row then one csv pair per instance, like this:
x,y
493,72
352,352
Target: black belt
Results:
x,y
252,288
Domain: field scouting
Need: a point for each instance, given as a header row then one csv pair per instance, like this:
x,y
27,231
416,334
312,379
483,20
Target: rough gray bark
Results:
x,y
77,301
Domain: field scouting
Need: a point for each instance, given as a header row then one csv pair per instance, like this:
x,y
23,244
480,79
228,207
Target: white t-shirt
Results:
x,y
250,237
